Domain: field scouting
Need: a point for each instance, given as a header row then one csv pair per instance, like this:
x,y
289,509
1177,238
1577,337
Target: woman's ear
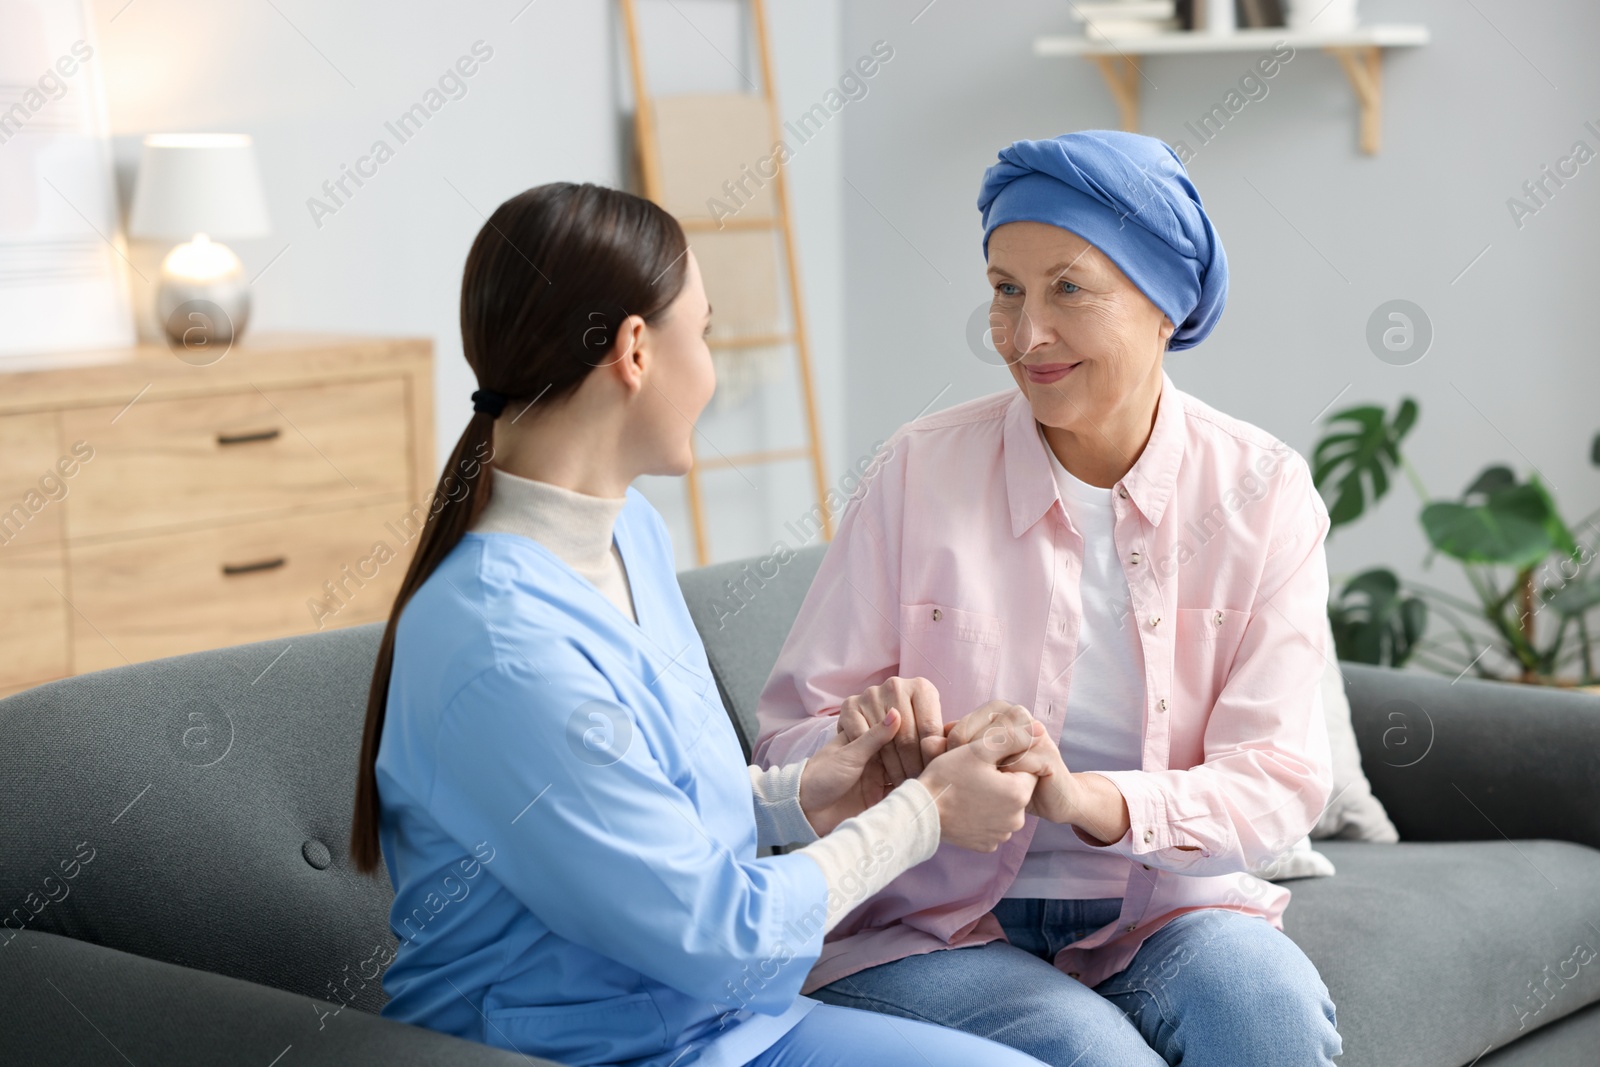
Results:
x,y
1166,330
630,353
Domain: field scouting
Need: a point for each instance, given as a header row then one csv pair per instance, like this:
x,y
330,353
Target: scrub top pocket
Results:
x,y
603,1031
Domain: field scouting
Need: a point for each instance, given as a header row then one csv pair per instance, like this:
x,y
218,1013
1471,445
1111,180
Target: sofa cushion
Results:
x,y
68,1002
196,810
743,611
1569,1042
1433,951
1352,813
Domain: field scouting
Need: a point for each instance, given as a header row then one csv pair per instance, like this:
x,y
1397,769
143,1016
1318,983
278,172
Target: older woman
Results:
x,y
1147,575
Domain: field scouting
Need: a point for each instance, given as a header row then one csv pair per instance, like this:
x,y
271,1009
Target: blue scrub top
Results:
x,y
567,820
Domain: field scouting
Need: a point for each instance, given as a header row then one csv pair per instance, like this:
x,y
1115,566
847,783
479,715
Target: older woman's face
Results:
x,y
1079,337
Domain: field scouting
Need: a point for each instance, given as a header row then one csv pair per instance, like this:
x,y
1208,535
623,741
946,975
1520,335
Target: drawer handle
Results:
x,y
259,565
244,438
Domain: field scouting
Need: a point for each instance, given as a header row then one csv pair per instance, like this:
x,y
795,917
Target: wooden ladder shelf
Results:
x,y
778,221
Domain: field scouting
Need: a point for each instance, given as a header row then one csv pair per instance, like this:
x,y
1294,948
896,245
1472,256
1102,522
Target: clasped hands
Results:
x,y
985,771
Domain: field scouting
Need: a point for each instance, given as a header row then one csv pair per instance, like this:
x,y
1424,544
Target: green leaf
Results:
x,y
1353,463
1404,418
1560,536
1511,528
1374,621
1413,621
1378,585
1575,597
1492,480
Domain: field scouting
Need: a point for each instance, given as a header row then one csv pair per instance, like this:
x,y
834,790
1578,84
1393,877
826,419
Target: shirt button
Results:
x,y
1161,705
1132,926
1123,493
1146,866
1073,974
937,614
1148,834
1154,619
1219,618
1134,558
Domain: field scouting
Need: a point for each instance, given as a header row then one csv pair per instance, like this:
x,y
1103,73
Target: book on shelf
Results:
x,y
1122,29
1253,14
1125,9
1248,14
1119,19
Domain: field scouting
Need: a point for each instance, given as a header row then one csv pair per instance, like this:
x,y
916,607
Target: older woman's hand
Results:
x,y
992,715
1055,790
920,736
1055,794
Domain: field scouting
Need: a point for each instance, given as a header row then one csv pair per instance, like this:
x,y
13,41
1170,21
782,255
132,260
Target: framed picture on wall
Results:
x,y
63,276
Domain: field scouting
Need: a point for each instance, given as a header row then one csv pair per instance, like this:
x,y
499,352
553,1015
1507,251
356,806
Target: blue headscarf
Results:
x,y
1130,197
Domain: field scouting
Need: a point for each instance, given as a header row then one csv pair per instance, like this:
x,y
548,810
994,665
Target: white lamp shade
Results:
x,y
193,183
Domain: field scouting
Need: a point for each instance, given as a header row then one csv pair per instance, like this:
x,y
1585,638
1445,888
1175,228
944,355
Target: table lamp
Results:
x,y
198,187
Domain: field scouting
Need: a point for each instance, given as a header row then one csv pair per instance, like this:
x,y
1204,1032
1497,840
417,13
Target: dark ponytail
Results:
x,y
548,281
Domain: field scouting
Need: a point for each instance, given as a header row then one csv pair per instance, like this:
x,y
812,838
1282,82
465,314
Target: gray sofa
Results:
x,y
173,873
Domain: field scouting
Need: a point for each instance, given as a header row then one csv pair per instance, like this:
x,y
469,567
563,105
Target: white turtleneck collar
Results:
x,y
575,526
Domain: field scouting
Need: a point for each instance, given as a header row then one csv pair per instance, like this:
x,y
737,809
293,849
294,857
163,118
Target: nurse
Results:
x,y
547,770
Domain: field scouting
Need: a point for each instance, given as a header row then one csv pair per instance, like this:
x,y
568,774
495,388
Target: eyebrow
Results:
x,y
1054,271
1062,268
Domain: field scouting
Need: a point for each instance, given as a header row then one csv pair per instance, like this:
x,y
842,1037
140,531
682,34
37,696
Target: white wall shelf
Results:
x,y
1359,51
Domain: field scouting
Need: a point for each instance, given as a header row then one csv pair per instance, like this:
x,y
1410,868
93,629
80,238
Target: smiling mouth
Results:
x,y
1045,373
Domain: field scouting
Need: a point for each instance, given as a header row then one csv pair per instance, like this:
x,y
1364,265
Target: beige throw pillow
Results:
x,y
1353,813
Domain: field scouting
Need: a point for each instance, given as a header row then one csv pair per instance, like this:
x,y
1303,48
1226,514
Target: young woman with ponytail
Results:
x,y
548,773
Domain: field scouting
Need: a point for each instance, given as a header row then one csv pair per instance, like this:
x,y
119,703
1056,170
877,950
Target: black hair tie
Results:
x,y
488,400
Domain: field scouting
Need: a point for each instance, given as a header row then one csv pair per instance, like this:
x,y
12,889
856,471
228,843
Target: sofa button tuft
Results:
x,y
316,854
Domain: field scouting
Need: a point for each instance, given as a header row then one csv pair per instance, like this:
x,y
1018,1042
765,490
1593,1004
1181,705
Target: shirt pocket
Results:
x,y
599,1031
1207,640
956,649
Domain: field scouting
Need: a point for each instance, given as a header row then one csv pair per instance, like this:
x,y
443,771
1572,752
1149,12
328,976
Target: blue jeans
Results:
x,y
1211,988
830,1036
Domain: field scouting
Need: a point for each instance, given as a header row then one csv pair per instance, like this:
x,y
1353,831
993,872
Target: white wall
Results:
x,y
1317,234
315,83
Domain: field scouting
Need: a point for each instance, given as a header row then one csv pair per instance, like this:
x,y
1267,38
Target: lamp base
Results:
x,y
203,302
202,319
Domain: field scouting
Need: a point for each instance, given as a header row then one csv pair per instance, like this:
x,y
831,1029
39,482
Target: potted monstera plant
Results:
x,y
1529,571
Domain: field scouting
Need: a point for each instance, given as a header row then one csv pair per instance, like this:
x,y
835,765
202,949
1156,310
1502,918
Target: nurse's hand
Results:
x,y
980,804
846,777
920,736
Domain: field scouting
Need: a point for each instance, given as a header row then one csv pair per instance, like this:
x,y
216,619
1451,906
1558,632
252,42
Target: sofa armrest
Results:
x,y
68,1002
1475,759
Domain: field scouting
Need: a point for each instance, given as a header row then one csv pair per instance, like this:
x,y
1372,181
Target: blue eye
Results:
x,y
1003,286
1074,288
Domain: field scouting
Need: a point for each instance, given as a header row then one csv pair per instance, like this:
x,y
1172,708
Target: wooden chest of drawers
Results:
x,y
149,507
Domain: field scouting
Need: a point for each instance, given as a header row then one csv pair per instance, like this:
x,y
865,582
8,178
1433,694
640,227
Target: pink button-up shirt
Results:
x,y
955,561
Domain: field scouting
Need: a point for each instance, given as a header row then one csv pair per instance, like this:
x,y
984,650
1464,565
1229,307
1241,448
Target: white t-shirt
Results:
x,y
1104,709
